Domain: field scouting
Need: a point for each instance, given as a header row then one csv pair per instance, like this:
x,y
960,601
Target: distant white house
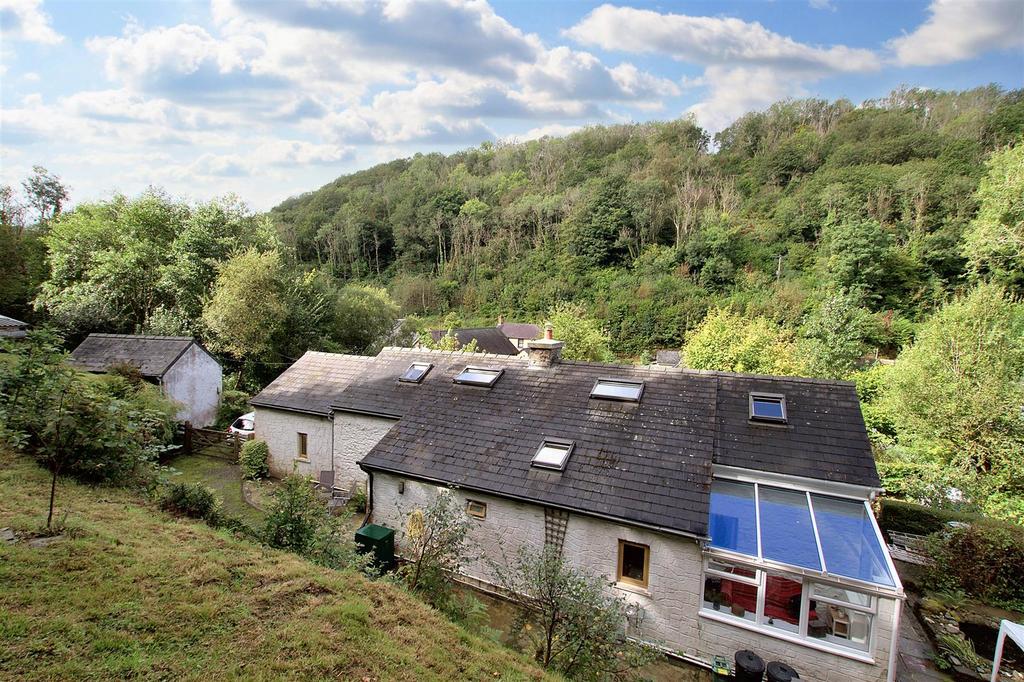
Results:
x,y
730,511
185,371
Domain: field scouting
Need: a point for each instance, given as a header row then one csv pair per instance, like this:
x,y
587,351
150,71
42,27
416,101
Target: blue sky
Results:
x,y
268,99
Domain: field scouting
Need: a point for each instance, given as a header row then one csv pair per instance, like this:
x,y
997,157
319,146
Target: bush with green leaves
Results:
x,y
299,521
984,559
435,543
190,499
901,516
253,459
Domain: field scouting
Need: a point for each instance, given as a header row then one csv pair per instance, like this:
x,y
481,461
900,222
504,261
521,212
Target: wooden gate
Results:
x,y
213,443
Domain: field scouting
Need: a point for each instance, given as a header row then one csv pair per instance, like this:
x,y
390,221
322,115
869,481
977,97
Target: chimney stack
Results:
x,y
544,352
501,320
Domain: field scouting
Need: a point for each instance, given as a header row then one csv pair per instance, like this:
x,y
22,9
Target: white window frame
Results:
x,y
760,623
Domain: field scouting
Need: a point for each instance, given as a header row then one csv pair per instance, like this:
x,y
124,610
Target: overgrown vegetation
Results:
x,y
984,560
133,593
190,499
93,429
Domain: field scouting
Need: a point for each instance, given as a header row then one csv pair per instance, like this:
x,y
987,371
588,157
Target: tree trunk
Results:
x,y
53,495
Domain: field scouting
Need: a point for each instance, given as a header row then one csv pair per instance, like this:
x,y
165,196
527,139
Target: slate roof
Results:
x,y
153,355
378,391
488,339
11,328
824,437
648,463
313,382
668,358
520,330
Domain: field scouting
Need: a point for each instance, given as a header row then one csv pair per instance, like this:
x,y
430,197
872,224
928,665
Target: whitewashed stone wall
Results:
x,y
354,436
281,428
671,602
194,382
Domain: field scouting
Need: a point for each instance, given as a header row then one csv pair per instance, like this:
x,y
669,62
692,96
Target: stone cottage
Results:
x,y
185,371
731,511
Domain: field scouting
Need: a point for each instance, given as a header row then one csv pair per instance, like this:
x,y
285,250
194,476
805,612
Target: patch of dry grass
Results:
x,y
136,593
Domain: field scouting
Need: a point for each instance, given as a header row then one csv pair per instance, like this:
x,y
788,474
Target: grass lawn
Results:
x,y
137,593
224,478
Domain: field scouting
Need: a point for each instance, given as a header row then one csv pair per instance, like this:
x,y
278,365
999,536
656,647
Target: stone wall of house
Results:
x,y
281,428
354,436
670,603
194,382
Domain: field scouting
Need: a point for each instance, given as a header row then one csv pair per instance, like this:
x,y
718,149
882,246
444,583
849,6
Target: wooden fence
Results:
x,y
213,443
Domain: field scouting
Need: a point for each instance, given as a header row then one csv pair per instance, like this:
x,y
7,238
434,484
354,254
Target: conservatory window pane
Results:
x,y
849,541
839,625
786,531
782,597
733,524
730,597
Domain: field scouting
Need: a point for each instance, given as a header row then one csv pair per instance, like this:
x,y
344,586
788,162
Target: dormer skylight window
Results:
x,y
553,454
617,389
768,407
416,373
479,376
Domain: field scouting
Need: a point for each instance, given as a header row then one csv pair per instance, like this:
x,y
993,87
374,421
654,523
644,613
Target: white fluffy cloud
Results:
x,y
25,20
957,30
712,40
746,65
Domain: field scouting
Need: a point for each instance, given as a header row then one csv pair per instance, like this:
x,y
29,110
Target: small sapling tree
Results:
x,y
567,620
436,543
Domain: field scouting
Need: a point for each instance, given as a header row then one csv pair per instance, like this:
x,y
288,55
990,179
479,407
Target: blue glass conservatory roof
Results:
x,y
815,532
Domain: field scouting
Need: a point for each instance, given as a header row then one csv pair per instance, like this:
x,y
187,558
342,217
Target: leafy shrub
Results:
x,y
190,499
984,559
906,517
359,500
253,459
300,522
232,404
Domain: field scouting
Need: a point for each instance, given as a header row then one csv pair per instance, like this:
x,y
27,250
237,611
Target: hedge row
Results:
x,y
907,517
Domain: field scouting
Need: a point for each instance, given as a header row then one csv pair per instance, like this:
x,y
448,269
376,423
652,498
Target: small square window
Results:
x,y
476,509
614,389
479,376
416,373
303,446
553,454
768,407
634,563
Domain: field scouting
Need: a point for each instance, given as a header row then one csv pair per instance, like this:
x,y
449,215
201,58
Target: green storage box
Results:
x,y
379,540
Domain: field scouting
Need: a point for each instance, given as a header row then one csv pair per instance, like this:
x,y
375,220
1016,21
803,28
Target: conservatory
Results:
x,y
803,566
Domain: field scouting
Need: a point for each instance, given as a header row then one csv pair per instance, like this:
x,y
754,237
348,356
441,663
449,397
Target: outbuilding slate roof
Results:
x,y
11,328
313,383
520,330
488,339
153,355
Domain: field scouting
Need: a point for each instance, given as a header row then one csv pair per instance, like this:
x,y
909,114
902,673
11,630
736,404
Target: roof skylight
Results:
x,y
768,407
479,376
617,389
416,373
553,454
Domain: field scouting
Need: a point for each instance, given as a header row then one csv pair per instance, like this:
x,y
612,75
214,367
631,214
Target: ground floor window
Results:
x,y
303,443
799,606
634,563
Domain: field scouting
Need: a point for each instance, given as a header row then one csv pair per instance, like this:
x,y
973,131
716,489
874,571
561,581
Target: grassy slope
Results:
x,y
138,593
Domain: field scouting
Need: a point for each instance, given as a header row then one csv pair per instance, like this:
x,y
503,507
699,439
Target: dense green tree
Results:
x,y
955,395
583,337
728,342
248,305
994,243
834,335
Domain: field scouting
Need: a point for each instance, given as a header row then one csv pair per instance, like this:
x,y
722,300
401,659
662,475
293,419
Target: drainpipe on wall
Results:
x,y
369,498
